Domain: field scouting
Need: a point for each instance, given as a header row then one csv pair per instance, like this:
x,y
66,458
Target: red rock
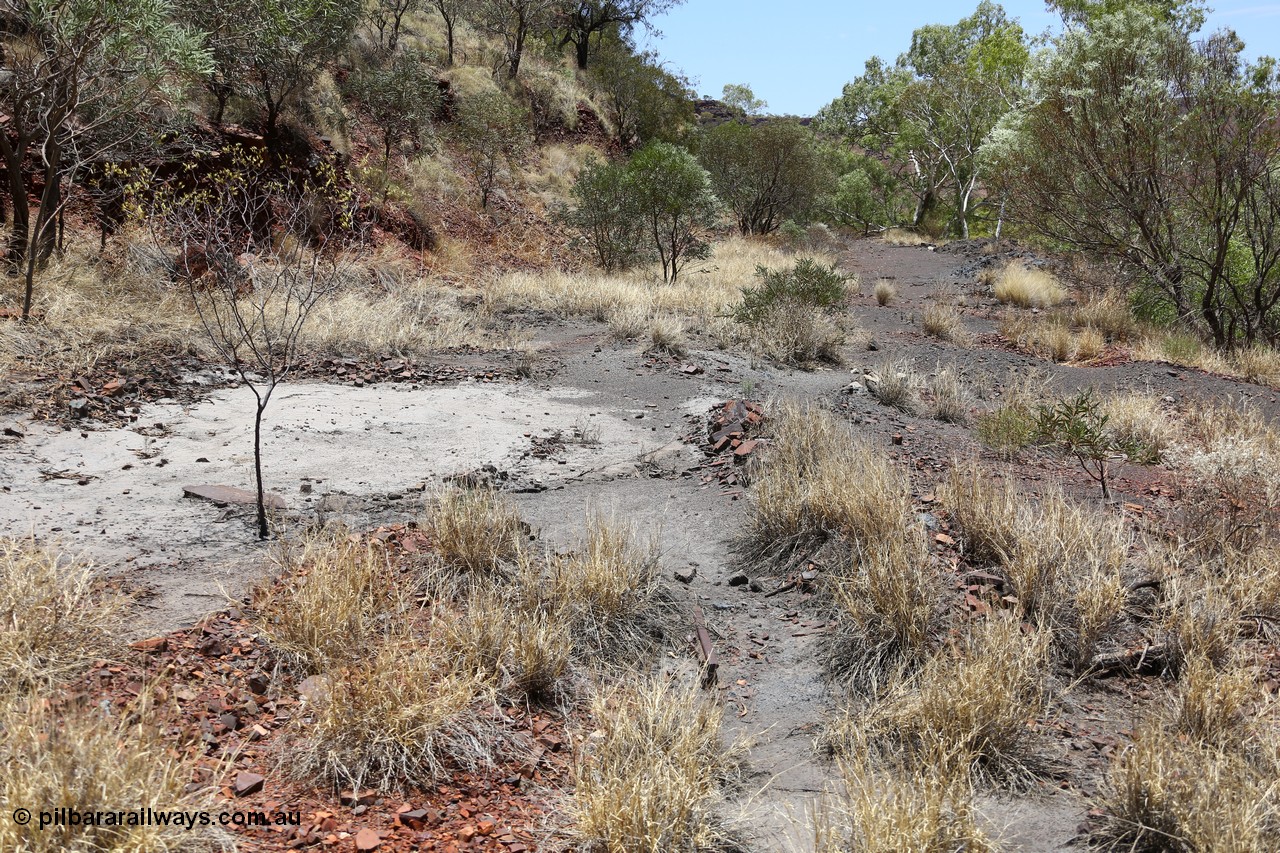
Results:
x,y
367,839
153,645
248,783
467,833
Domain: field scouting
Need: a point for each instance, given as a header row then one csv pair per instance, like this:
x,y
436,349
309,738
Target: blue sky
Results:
x,y
797,54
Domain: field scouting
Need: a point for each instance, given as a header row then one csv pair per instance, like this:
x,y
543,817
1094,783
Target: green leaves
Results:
x,y
808,284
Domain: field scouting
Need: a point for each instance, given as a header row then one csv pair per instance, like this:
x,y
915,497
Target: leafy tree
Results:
x,y
606,215
81,80
582,19
930,113
764,173
644,101
515,21
1189,14
1162,153
387,16
494,134
673,197
401,97
740,98
291,41
867,195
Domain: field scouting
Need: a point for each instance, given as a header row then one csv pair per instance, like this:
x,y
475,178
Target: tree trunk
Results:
x,y
263,532
583,49
448,37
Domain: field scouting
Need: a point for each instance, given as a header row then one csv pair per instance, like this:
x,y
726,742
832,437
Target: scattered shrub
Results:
x,y
884,292
1028,288
808,283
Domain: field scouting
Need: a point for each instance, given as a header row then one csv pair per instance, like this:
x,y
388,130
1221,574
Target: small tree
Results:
x,y
80,79
606,216
764,173
387,16
583,19
494,133
644,101
674,201
401,97
740,98
258,253
515,22
1077,426
451,11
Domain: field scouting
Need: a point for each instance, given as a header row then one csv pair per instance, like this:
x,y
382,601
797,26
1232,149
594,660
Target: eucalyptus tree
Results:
x,y
81,79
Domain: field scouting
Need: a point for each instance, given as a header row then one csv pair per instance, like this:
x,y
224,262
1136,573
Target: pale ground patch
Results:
x,y
363,450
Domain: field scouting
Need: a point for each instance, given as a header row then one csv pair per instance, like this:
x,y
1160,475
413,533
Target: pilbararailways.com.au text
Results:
x,y
148,817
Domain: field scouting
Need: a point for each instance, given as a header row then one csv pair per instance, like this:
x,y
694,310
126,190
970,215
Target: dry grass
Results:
x,y
950,400
404,715
1063,560
1108,314
335,600
894,383
1028,288
703,292
476,530
892,810
1213,706
944,323
1259,364
819,480
55,616
884,292
666,334
969,712
799,335
1140,425
1166,793
606,591
903,237
649,778
79,757
889,601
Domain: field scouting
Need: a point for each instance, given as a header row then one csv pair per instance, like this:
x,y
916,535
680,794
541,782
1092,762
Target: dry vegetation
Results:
x,y
1028,288
649,777
56,617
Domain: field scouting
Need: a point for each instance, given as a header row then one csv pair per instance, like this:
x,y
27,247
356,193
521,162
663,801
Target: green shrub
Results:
x,y
808,283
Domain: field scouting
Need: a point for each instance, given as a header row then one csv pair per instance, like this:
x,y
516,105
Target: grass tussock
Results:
x,y
82,758
886,810
889,602
335,600
1165,793
667,334
476,530
904,237
404,715
606,590
949,398
943,321
712,288
1026,287
969,713
1063,560
56,618
1140,426
895,383
819,480
884,292
648,779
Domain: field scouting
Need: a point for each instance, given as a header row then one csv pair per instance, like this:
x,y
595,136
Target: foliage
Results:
x,y
764,173
929,113
643,100
866,195
82,79
606,216
739,98
1078,427
401,97
808,283
582,19
1160,153
387,16
494,134
515,22
673,197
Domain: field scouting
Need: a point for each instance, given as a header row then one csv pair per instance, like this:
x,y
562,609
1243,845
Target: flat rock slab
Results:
x,y
223,495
